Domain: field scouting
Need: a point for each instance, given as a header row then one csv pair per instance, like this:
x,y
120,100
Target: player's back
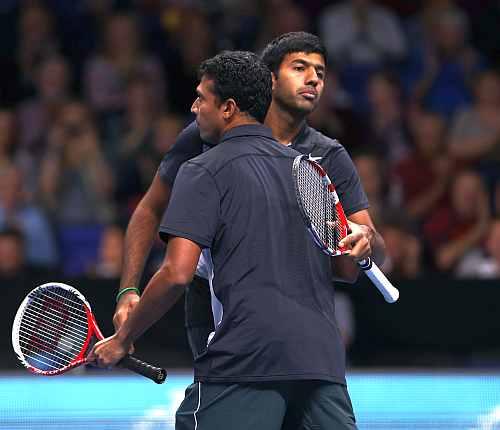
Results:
x,y
273,283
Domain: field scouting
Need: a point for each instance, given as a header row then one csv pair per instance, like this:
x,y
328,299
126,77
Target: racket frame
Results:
x,y
332,195
93,329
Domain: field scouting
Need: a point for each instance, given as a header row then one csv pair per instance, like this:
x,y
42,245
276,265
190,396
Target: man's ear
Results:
x,y
274,78
230,109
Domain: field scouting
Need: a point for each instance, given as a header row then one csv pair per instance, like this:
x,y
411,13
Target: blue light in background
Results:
x,y
381,401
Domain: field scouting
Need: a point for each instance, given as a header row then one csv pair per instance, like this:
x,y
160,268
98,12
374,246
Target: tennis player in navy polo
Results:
x,y
276,359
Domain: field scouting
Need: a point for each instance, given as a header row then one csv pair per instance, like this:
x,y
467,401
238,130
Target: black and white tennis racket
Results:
x,y
325,219
54,330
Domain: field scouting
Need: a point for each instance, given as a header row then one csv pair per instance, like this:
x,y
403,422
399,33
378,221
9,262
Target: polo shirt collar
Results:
x,y
247,130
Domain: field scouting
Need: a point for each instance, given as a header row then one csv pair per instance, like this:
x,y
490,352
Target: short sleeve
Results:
x,y
194,207
187,145
342,172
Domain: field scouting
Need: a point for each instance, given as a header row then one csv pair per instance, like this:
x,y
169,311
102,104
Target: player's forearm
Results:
x,y
161,293
139,238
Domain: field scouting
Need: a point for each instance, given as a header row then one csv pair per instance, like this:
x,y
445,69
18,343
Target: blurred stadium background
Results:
x,y
93,94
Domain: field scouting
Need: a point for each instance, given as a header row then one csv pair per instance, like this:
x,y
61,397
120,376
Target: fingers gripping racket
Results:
x,y
325,219
54,330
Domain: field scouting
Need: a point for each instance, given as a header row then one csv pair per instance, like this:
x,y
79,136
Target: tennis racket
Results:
x,y
325,219
54,330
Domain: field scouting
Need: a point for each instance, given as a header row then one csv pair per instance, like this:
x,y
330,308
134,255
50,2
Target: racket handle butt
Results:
x,y
390,293
156,374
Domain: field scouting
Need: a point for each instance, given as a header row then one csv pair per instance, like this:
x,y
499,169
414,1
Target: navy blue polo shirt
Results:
x,y
334,159
273,282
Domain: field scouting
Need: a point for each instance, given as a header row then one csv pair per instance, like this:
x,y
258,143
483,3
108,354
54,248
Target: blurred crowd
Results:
x,y
94,92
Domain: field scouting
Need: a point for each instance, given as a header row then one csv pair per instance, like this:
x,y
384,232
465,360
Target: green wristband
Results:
x,y
122,292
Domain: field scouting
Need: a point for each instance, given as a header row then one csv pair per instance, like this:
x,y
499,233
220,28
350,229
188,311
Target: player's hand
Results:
x,y
108,352
358,241
124,307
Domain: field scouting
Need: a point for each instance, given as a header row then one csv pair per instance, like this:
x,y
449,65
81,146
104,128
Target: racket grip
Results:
x,y
156,374
390,293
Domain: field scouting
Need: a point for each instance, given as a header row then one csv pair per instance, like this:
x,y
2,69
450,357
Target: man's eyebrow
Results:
x,y
317,66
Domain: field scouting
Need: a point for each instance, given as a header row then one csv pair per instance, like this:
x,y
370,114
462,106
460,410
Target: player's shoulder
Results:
x,y
210,160
312,141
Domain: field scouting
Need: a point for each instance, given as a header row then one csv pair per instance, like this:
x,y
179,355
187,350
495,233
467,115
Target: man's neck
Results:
x,y
284,125
239,121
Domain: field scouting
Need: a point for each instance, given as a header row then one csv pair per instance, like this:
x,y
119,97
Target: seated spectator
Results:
x,y
8,139
190,45
403,248
373,174
167,128
17,210
388,131
15,270
475,132
362,37
76,182
135,128
12,256
425,174
37,40
443,71
122,57
280,17
483,263
110,254
361,32
52,90
462,225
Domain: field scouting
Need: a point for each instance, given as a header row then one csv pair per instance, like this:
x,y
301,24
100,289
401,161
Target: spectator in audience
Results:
x,y
122,57
142,109
425,174
361,32
483,263
190,45
12,255
388,135
8,139
52,90
373,174
475,133
37,40
166,130
461,226
110,254
443,72
135,157
361,37
404,249
16,210
281,17
76,182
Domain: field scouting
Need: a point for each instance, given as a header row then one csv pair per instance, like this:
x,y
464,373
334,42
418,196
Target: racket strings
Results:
x,y
318,204
53,329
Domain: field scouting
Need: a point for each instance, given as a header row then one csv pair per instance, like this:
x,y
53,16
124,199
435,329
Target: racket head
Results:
x,y
319,205
53,329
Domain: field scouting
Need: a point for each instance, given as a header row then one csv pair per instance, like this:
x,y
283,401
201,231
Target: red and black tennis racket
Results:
x,y
325,219
54,330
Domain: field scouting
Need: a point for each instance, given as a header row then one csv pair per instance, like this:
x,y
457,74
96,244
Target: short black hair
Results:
x,y
242,76
288,43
